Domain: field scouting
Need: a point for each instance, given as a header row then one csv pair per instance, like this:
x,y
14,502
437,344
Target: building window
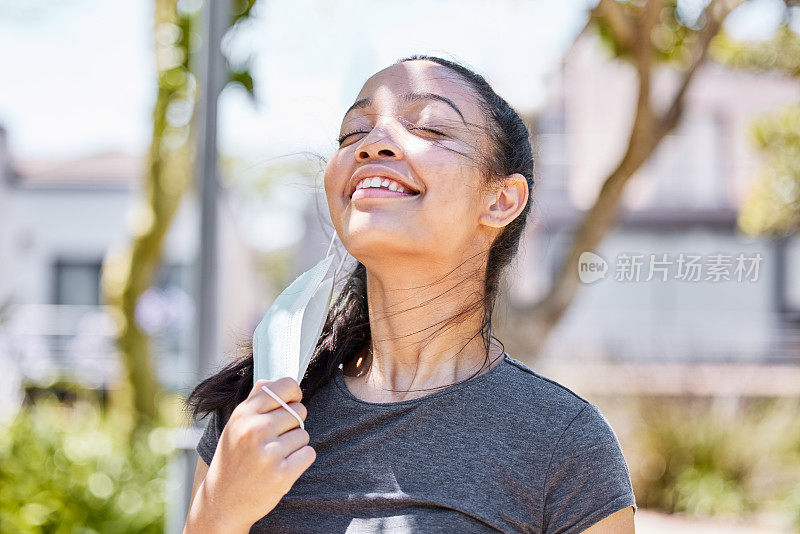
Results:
x,y
791,279
76,282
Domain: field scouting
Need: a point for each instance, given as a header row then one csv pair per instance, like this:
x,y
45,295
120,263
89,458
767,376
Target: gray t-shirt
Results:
x,y
509,450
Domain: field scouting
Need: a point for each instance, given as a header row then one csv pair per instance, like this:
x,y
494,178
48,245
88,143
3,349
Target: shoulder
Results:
x,y
530,377
540,393
573,419
587,477
538,409
571,425
582,473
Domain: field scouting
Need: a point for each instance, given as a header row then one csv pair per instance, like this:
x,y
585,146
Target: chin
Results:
x,y
371,241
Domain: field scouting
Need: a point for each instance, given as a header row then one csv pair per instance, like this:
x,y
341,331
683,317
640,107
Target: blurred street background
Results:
x,y
161,182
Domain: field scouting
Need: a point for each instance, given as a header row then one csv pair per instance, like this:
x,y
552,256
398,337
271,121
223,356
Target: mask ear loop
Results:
x,y
269,392
336,272
331,244
344,256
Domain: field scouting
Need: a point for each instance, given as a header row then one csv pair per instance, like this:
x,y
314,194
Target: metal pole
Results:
x,y
212,78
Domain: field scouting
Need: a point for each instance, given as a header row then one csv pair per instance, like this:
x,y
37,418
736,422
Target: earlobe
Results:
x,y
505,202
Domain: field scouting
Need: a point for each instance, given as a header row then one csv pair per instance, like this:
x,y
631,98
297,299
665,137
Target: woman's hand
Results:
x,y
261,453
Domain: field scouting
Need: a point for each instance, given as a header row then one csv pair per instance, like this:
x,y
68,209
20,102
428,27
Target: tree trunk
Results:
x,y
127,273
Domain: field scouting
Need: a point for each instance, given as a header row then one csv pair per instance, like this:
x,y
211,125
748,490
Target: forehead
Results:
x,y
387,87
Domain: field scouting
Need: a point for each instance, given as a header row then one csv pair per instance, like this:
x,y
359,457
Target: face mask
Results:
x,y
286,337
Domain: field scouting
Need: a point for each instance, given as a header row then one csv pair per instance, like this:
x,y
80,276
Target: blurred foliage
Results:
x,y
704,457
773,203
260,178
64,390
241,10
780,53
64,469
253,186
673,35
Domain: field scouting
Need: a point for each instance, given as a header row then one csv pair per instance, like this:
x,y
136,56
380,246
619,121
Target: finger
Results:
x,y
268,400
282,386
286,388
254,391
281,421
298,407
299,461
293,440
284,405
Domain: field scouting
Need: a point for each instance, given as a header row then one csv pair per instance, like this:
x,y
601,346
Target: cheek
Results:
x,y
452,182
453,199
451,178
335,175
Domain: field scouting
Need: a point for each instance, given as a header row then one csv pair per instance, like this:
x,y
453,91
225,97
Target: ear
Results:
x,y
505,201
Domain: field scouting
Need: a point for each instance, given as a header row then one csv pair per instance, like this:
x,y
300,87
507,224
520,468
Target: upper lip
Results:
x,y
368,171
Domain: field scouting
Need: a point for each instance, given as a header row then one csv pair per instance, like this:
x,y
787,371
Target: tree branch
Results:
x,y
715,13
619,23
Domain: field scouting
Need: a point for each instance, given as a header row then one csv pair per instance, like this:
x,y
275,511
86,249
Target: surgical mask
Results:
x,y
285,339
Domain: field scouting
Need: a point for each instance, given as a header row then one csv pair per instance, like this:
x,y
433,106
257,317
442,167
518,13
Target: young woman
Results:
x,y
414,420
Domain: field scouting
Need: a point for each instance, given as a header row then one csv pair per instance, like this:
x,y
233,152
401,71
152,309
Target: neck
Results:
x,y
417,344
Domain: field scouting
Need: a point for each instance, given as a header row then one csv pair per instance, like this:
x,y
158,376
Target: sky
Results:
x,y
80,79
78,74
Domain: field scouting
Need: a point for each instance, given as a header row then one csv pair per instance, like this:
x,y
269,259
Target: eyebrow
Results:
x,y
409,98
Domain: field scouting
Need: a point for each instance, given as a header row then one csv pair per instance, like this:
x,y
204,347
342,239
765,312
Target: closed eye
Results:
x,y
342,138
429,130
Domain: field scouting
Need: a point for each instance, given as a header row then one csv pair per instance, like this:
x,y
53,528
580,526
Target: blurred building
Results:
x,y
58,219
684,200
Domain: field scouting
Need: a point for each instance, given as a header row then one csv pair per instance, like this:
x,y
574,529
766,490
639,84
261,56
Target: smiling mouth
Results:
x,y
379,192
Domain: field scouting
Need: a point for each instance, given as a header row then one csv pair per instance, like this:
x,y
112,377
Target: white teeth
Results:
x,y
377,181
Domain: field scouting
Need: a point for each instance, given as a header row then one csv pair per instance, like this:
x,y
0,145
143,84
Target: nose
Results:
x,y
378,143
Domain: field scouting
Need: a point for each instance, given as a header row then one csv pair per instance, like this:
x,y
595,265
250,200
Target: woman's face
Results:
x,y
419,125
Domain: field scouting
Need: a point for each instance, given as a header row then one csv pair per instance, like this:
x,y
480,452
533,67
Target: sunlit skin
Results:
x,y
620,522
406,242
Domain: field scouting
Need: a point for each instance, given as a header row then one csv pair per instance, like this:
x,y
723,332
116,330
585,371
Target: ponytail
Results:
x,y
345,332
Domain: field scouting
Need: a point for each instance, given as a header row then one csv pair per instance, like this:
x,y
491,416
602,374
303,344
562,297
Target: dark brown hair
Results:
x,y
346,330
